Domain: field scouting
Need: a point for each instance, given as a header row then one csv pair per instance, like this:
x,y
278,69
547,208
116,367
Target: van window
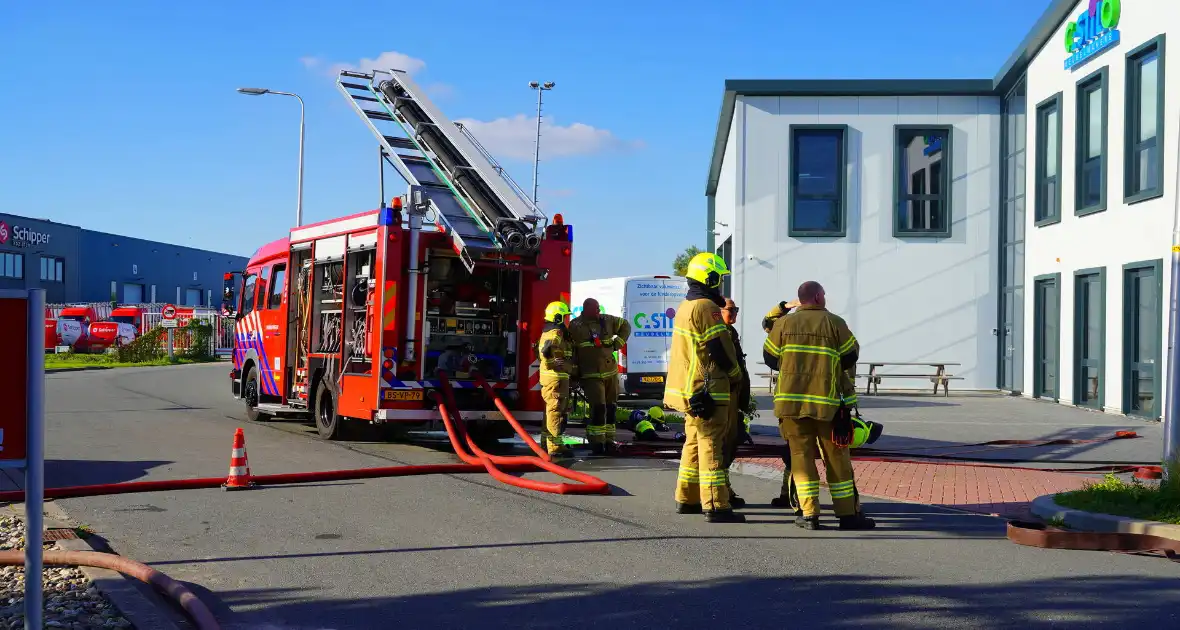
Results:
x,y
276,287
248,295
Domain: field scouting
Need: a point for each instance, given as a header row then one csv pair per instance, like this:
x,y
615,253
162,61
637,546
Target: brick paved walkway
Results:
x,y
995,491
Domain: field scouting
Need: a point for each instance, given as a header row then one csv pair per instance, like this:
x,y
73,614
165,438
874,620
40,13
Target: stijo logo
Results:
x,y
3,232
655,320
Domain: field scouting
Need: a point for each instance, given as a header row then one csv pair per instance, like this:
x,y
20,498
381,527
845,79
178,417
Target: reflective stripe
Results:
x,y
689,475
819,400
237,452
736,371
561,375
847,347
708,334
803,349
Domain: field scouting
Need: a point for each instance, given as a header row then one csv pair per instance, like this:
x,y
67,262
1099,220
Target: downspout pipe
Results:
x,y
1171,455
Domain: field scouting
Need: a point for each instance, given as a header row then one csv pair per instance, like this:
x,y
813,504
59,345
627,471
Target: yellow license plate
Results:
x,y
403,394
651,379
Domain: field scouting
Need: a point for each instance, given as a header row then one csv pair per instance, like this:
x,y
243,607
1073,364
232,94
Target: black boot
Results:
x,y
736,501
688,508
807,522
724,516
857,521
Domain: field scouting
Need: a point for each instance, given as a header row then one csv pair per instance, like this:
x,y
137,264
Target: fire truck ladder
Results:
x,y
471,197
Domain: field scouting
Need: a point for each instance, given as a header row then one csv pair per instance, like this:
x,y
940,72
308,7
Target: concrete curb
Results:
x,y
1046,508
137,601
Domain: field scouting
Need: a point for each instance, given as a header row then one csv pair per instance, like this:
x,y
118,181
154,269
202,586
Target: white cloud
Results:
x,y
514,138
391,60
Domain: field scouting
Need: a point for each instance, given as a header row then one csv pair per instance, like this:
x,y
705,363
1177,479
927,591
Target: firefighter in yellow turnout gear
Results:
x,y
703,370
812,349
557,362
596,337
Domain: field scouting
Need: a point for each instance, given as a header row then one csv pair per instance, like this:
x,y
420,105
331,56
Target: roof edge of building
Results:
x,y
1043,29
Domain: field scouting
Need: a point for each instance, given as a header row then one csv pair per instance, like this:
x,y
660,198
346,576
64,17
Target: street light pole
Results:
x,y
302,121
1171,415
540,88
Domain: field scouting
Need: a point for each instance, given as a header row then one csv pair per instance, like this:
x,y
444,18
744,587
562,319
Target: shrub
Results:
x,y
146,348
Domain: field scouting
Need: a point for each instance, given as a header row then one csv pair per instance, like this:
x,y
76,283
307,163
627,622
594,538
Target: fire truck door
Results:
x,y
272,316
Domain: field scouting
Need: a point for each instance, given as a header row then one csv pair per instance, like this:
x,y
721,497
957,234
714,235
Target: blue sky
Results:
x,y
123,116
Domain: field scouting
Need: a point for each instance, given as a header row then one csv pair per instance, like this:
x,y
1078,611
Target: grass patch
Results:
x,y
72,361
1152,502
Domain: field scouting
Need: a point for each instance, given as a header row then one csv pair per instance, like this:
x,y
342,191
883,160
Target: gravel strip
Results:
x,y
71,601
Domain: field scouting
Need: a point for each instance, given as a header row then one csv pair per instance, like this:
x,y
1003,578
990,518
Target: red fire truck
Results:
x,y
355,319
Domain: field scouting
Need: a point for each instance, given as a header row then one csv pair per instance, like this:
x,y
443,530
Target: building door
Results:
x,y
1046,336
1089,349
192,297
1142,338
1010,331
132,293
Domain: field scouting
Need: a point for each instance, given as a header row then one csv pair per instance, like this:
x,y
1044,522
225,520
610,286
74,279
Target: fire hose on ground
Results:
x,y
200,614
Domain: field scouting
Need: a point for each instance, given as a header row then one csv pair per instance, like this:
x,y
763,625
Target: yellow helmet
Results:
x,y
556,311
707,269
656,413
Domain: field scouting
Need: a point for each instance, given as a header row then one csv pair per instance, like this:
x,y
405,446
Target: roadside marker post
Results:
x,y
22,432
168,322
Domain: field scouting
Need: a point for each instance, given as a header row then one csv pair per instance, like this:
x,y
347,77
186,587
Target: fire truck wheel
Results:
x,y
250,397
327,421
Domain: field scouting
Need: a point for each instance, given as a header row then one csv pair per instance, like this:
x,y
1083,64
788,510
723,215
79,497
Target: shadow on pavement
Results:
x,y
77,472
833,601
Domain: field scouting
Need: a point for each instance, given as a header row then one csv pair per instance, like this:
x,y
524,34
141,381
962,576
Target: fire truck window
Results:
x,y
248,295
262,278
276,287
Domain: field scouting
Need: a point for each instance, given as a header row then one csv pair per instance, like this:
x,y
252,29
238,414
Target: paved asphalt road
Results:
x,y
453,552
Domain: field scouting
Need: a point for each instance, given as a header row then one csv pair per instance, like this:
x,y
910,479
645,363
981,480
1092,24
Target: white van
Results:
x,y
649,304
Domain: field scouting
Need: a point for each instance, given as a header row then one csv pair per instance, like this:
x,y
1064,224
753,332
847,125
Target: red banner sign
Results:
x,y
14,365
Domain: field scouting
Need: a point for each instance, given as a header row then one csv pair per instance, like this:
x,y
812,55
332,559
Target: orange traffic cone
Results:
x,y
239,465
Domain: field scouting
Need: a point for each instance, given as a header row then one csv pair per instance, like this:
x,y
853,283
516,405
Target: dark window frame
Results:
x,y
274,299
1038,386
1047,216
1157,269
1101,78
52,269
18,265
1079,338
1131,119
842,187
946,192
726,254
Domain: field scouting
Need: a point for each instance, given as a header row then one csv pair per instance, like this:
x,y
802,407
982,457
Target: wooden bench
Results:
x,y
939,377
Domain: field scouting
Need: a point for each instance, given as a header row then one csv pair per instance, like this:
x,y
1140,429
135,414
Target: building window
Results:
x,y
1089,344
1090,190
818,176
12,265
1144,160
51,269
922,181
1046,332
1143,294
1048,166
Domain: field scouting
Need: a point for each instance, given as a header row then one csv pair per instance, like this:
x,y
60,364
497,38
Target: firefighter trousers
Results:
x,y
734,430
555,391
602,393
807,438
703,478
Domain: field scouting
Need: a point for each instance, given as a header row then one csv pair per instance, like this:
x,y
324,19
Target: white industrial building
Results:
x,y
1019,226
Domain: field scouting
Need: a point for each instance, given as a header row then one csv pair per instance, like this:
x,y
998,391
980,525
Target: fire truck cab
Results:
x,y
356,319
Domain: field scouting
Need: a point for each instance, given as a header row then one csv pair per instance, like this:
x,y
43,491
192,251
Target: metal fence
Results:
x,y
221,343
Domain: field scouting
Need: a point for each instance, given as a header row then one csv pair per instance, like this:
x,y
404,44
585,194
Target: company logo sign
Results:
x,y
654,325
1095,30
18,236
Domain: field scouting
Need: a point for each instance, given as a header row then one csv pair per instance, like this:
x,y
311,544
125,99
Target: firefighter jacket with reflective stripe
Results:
x,y
595,343
555,352
698,332
811,349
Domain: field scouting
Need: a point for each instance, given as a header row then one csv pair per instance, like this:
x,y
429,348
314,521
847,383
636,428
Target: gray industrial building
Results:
x,y
74,264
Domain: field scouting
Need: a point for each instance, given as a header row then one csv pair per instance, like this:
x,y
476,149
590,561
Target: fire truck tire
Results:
x,y
250,393
328,422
